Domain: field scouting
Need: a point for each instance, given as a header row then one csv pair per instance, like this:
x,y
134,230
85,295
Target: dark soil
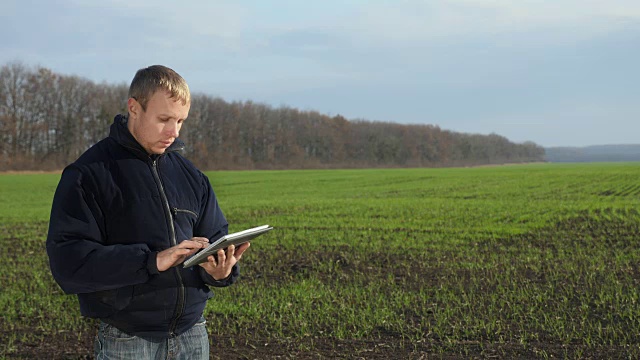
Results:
x,y
71,347
30,342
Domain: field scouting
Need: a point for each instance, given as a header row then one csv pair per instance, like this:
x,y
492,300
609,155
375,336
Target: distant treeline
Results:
x,y
595,153
47,120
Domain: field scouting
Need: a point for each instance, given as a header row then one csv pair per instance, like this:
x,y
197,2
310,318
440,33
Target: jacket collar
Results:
x,y
120,133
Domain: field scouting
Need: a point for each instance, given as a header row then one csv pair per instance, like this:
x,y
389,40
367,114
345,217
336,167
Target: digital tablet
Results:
x,y
227,240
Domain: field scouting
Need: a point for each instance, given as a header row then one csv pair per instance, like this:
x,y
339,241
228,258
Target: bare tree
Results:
x,y
47,120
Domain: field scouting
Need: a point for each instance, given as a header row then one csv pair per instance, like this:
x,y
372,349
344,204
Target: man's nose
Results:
x,y
173,129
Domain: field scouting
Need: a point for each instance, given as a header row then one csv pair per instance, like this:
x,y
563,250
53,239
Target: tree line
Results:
x,y
47,120
593,153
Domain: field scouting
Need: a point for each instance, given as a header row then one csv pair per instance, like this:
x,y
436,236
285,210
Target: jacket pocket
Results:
x,y
116,299
105,303
123,297
186,212
184,221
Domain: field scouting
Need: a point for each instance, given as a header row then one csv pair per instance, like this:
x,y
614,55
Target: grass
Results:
x,y
515,261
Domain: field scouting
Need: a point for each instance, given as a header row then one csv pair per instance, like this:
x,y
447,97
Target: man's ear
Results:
x,y
134,108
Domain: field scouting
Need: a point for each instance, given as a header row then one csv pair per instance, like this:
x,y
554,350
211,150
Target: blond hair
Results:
x,y
157,77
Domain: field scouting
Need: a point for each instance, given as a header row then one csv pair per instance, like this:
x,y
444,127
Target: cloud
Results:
x,y
167,23
474,65
408,22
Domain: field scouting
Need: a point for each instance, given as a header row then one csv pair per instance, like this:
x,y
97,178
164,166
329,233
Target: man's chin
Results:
x,y
157,151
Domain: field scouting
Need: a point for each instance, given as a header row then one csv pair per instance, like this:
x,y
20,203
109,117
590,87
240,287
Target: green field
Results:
x,y
524,261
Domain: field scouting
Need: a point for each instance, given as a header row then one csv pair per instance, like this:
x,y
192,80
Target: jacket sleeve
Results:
x,y
80,260
213,225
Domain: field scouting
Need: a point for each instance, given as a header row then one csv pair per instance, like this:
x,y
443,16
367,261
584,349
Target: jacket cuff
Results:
x,y
152,263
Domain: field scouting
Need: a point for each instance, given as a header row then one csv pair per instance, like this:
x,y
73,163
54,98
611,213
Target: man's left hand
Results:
x,y
221,268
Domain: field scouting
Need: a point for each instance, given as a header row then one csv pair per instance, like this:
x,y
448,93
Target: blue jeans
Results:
x,y
112,344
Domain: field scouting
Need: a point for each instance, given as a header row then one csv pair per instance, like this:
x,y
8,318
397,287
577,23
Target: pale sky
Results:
x,y
555,72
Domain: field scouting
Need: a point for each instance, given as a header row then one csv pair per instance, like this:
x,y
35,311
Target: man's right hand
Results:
x,y
175,255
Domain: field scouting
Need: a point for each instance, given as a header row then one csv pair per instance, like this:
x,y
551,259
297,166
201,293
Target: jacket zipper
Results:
x,y
172,232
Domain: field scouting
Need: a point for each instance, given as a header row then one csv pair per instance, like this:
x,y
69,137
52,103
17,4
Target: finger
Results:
x,y
209,264
199,239
241,249
221,257
230,250
187,244
190,244
179,253
182,251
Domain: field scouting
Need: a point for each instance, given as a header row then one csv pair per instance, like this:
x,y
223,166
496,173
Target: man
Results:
x,y
125,216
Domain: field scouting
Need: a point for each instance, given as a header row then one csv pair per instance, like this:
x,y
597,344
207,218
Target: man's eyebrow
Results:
x,y
170,116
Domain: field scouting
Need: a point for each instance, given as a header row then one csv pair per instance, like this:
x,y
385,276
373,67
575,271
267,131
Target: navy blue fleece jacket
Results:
x,y
114,209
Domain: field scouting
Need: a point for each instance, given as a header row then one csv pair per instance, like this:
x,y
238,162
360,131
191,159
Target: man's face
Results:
x,y
157,127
